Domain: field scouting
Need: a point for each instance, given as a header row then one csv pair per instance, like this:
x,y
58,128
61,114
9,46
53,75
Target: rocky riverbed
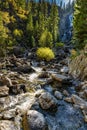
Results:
x,y
40,95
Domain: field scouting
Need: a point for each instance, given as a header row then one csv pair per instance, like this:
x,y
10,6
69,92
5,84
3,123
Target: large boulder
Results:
x,y
36,120
78,67
47,101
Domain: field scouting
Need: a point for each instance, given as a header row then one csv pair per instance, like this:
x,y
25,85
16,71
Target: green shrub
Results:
x,y
45,53
46,39
74,54
59,44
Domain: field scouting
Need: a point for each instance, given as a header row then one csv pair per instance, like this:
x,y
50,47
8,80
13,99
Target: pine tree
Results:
x,y
3,37
80,23
30,29
3,31
54,20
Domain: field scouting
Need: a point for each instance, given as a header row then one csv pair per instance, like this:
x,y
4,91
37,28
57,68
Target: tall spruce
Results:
x,y
54,20
80,24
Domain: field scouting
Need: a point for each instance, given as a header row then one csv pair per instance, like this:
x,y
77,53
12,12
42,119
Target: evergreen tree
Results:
x,y
29,29
3,31
54,20
80,23
46,39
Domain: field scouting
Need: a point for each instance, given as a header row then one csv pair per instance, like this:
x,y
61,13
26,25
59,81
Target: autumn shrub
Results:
x,y
45,53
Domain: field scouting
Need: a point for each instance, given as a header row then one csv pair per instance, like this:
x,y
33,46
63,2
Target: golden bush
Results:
x,y
45,53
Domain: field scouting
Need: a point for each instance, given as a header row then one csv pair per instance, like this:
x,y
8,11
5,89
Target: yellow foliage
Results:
x,y
6,17
22,16
17,32
12,19
21,11
45,53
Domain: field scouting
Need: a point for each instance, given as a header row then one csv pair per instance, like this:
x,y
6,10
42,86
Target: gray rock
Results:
x,y
47,101
60,78
58,95
36,120
68,99
77,100
65,93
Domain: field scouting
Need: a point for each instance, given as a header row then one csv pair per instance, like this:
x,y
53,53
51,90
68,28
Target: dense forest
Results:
x,y
43,64
28,24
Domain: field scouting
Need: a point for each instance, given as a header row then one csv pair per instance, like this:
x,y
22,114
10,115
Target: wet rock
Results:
x,y
77,100
65,69
36,120
65,93
81,104
7,125
68,99
60,78
58,95
47,101
4,91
